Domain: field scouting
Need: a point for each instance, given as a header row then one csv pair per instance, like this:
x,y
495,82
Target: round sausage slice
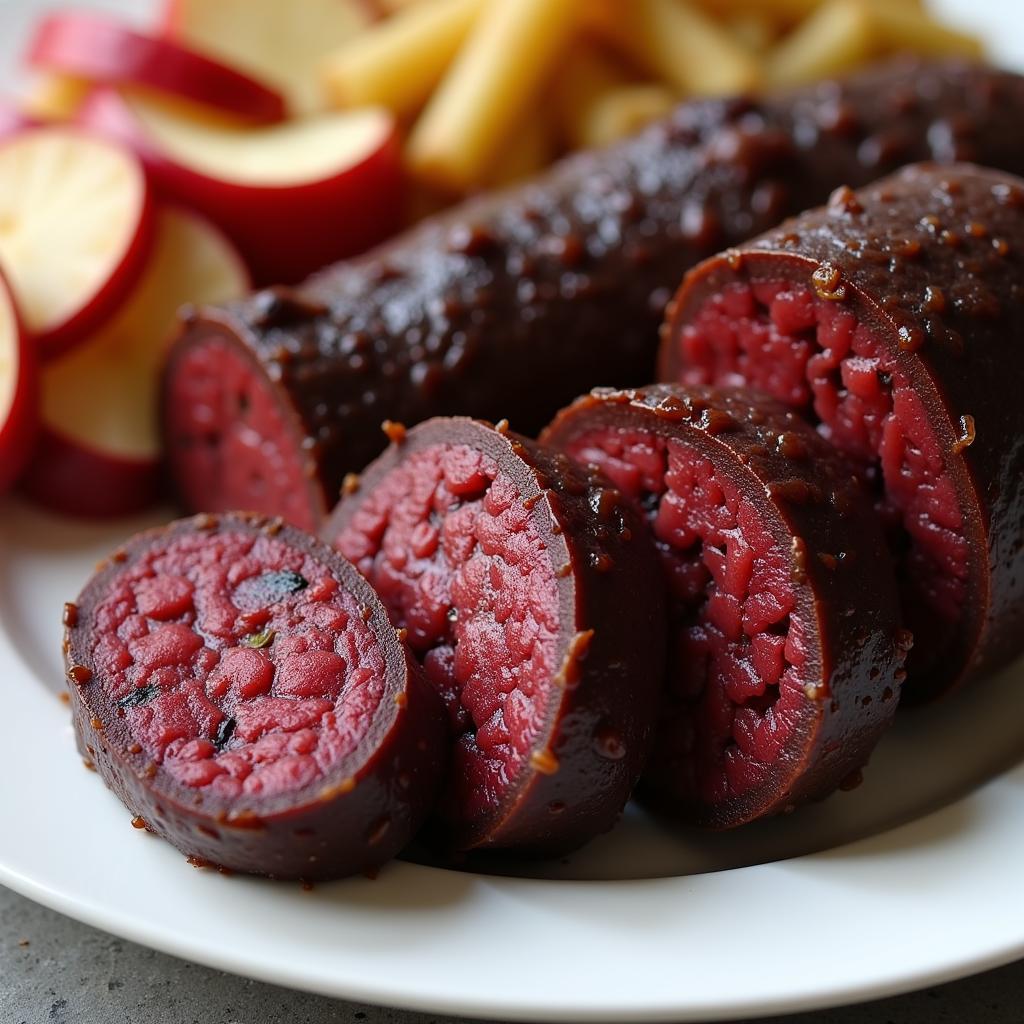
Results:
x,y
893,318
239,686
786,658
530,591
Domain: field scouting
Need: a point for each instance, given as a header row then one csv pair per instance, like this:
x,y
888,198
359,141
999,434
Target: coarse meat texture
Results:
x,y
521,300
241,688
770,700
813,353
891,319
452,551
231,429
740,645
486,549
240,664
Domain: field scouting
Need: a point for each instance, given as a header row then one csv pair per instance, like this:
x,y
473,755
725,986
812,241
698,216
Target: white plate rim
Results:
x,y
945,879
935,899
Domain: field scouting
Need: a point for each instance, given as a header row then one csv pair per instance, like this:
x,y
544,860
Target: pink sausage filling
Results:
x,y
447,543
739,678
816,356
232,444
239,664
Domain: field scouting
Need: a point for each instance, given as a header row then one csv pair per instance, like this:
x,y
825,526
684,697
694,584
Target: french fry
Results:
x,y
397,62
837,37
753,30
623,111
529,149
510,52
55,97
783,13
587,74
685,48
475,69
901,27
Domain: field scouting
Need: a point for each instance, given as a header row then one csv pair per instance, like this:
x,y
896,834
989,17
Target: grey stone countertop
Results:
x,y
53,969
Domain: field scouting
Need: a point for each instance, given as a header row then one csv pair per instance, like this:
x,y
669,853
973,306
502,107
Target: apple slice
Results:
x,y
75,228
280,43
101,49
292,197
99,451
19,393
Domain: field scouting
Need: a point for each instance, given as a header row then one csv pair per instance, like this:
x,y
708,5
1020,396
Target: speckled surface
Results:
x,y
53,969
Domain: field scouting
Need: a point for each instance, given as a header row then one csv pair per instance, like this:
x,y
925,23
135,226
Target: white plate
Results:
x,y
643,924
910,880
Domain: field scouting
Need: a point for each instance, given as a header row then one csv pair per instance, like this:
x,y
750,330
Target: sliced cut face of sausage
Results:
x,y
530,591
524,299
240,687
893,319
786,651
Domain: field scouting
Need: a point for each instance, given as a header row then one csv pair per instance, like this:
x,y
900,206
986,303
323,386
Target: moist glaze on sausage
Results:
x,y
786,653
239,686
522,300
894,318
531,592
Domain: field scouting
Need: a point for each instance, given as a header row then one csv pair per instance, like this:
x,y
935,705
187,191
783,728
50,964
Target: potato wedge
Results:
x,y
683,47
511,50
838,36
901,27
398,62
624,111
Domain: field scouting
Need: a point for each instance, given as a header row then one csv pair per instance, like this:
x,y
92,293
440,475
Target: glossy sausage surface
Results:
x,y
893,318
514,303
786,651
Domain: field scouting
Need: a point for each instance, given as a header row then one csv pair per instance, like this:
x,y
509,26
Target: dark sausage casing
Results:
x,y
786,647
894,318
239,686
532,595
515,303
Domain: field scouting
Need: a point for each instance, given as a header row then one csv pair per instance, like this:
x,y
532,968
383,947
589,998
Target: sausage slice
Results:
x,y
239,686
893,318
787,652
531,593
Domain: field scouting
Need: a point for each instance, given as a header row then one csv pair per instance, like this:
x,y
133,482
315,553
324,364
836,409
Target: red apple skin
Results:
x,y
99,48
105,302
285,232
73,476
70,477
19,424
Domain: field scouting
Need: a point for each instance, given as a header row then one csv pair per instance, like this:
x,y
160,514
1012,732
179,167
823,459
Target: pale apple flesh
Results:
x,y
99,402
75,229
293,197
281,43
295,153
